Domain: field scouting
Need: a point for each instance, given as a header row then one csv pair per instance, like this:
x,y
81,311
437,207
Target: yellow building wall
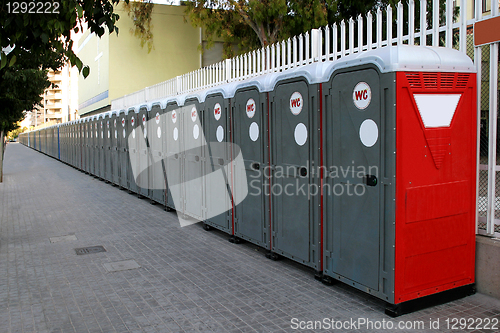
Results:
x,y
95,54
175,51
124,67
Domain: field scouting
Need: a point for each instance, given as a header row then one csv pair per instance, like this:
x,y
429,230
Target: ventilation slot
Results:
x,y
430,80
462,80
438,80
414,80
447,80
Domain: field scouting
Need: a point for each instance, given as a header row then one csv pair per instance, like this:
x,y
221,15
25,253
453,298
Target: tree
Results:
x,y
141,13
270,20
31,43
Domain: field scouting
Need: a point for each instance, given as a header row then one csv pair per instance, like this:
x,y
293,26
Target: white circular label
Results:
x,y
143,120
107,123
300,134
196,131
145,133
176,134
250,108
124,133
116,134
102,135
157,118
217,111
368,132
132,121
194,114
133,133
296,103
158,132
254,131
114,123
108,135
362,95
96,134
123,122
220,133
174,116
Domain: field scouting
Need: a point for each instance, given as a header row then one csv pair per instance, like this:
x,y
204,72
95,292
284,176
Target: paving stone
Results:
x,y
189,280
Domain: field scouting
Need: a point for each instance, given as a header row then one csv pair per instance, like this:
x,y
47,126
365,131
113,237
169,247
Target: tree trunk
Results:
x,y
2,149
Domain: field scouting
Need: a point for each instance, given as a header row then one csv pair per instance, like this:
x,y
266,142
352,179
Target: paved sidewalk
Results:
x,y
189,280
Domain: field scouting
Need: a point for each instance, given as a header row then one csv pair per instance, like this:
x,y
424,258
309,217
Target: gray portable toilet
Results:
x,y
97,148
193,153
295,189
92,144
173,160
86,148
123,148
216,122
79,148
352,230
143,160
101,142
108,162
115,162
249,123
132,152
156,140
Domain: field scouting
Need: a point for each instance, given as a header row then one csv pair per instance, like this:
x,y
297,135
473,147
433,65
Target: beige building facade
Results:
x,y
119,66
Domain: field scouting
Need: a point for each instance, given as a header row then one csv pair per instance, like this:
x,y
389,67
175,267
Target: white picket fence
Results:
x,y
387,26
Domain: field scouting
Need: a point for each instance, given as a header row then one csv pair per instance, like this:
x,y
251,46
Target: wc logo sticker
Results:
x,y
217,111
250,108
362,95
194,115
157,118
123,122
296,103
174,116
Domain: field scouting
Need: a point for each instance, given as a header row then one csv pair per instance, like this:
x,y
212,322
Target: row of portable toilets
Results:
x,y
362,169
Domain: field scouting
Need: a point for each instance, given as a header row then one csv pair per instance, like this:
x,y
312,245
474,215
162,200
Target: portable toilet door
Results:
x,y
355,189
102,141
115,161
193,147
218,177
92,134
108,161
295,186
173,160
132,151
143,161
250,135
157,171
122,152
88,141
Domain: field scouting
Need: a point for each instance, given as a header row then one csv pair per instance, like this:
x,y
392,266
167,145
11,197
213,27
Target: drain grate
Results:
x,y
90,249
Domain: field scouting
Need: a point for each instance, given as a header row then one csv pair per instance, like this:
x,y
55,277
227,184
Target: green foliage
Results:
x,y
269,20
15,133
141,13
39,42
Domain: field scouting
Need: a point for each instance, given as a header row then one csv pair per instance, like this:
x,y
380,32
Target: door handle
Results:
x,y
371,180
